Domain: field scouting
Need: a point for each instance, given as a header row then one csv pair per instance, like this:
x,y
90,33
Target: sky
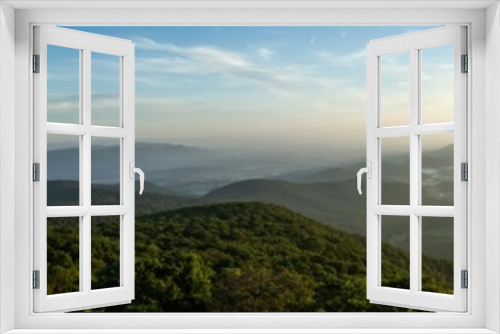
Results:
x,y
264,88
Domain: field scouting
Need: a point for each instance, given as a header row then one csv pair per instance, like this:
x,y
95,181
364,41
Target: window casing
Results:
x,y
26,319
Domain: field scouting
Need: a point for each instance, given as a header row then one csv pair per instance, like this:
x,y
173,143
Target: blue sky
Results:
x,y
241,87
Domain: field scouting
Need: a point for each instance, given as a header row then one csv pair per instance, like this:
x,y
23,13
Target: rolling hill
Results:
x,y
336,204
241,257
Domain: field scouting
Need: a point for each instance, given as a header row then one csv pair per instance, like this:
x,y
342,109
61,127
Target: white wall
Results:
x,y
7,163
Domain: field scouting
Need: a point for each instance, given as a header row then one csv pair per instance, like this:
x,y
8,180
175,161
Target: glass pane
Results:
x,y
63,170
105,235
395,89
395,171
437,169
437,254
437,84
63,252
105,89
395,251
63,84
105,171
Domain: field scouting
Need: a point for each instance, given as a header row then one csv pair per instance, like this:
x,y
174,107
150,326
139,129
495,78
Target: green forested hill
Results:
x,y
239,257
339,205
336,204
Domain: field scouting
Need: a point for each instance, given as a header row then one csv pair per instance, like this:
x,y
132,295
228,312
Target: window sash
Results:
x,y
413,298
87,43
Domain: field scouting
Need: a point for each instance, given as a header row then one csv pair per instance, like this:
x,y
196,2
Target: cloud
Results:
x,y
200,53
61,104
211,60
66,105
235,70
265,53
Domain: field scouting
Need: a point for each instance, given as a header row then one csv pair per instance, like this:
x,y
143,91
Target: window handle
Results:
x,y
368,171
134,170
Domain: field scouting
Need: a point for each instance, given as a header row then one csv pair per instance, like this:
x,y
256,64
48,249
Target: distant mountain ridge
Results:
x,y
63,164
318,175
395,168
197,171
154,199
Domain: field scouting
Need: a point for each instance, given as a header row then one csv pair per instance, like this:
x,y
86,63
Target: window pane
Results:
x,y
395,89
437,84
105,89
395,251
63,251
63,170
105,235
105,171
63,84
437,254
437,169
395,171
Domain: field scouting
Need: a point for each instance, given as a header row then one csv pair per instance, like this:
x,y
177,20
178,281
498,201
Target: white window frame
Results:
x,y
484,265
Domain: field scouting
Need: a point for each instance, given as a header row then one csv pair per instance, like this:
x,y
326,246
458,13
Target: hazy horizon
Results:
x,y
256,88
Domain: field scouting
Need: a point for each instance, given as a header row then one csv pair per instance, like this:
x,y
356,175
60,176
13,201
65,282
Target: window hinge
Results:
x,y
465,64
465,279
464,171
36,279
36,63
36,172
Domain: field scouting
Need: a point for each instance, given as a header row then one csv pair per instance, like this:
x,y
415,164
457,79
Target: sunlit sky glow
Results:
x,y
248,87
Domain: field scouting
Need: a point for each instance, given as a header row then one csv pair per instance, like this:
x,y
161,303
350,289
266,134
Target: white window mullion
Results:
x,y
109,132
422,129
80,130
392,210
86,168
434,129
86,252
414,172
80,211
